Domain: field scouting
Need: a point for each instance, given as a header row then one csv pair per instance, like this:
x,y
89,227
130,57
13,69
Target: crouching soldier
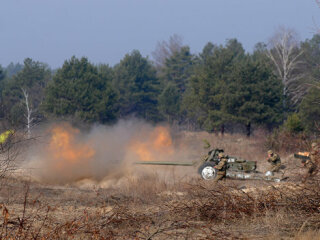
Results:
x,y
221,167
274,160
312,163
4,138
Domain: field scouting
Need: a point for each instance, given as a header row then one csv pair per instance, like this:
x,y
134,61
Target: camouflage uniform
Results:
x,y
4,138
312,162
221,167
275,161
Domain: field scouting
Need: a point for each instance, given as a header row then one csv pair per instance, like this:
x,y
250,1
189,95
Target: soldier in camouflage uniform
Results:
x,y
312,163
275,161
314,154
221,167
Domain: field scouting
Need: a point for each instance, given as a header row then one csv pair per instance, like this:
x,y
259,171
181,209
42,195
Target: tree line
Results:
x,y
222,87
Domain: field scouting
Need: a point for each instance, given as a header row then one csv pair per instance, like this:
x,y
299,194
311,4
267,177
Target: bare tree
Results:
x,y
165,49
28,114
316,26
284,52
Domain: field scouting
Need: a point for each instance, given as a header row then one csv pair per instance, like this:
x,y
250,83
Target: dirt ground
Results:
x,y
152,207
151,202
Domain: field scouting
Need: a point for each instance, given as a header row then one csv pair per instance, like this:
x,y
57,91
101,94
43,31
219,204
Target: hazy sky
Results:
x,y
52,31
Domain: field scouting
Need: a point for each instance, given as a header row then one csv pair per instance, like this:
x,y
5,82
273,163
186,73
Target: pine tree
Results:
x,y
229,87
24,92
135,80
309,110
169,102
80,92
178,68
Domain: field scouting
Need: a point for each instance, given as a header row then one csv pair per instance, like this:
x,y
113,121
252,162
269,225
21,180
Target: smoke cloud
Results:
x,y
66,154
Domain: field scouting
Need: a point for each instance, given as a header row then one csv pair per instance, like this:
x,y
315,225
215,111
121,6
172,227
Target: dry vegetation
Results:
x,y
156,210
171,203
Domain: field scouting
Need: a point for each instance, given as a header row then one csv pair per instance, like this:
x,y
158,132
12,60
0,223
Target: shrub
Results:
x,y
293,124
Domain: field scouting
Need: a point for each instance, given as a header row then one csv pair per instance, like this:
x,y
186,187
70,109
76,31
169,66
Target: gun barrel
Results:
x,y
165,163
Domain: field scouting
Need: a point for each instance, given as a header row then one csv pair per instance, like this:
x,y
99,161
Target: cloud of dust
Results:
x,y
65,154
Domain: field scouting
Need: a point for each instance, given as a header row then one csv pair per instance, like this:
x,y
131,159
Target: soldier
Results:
x,y
314,154
312,163
275,161
221,167
4,137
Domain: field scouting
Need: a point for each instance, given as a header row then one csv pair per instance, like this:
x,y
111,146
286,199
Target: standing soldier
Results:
x,y
314,154
221,167
275,161
312,162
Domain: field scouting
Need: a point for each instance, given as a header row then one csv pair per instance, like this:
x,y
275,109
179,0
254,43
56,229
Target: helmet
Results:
x,y
220,155
314,144
269,174
270,152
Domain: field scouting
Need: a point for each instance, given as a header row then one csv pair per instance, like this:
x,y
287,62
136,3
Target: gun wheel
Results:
x,y
207,171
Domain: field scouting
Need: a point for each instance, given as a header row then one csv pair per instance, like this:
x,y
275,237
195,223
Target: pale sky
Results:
x,y
51,31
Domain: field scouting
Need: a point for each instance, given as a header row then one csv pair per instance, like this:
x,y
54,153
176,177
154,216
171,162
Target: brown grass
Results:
x,y
147,208
171,203
286,142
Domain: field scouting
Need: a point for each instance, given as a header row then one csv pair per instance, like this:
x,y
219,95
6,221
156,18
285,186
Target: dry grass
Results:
x,y
310,235
147,208
286,142
166,204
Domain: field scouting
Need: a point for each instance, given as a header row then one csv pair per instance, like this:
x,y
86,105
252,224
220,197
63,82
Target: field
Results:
x,y
148,202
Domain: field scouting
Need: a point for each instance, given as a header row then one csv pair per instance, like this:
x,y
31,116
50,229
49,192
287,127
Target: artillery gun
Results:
x,y
236,168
